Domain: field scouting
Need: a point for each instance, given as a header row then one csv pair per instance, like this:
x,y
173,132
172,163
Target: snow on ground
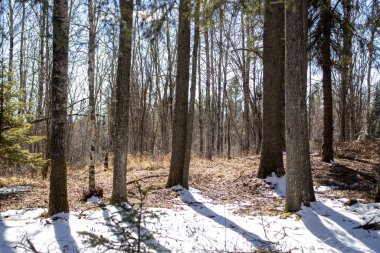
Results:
x,y
324,188
279,184
94,200
198,225
14,189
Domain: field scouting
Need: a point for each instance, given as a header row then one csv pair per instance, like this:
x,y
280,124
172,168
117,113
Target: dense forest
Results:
x,y
93,90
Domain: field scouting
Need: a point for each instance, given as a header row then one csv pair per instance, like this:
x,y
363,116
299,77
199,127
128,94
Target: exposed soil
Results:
x,y
222,180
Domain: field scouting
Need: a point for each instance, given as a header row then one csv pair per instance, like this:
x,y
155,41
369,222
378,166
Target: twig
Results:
x,y
31,246
140,179
369,225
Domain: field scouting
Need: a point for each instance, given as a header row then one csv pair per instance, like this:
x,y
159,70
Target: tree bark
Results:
x,y
58,176
11,40
208,115
189,141
346,67
41,74
377,187
370,61
48,106
22,57
91,88
119,188
219,114
327,146
299,185
246,92
180,120
200,107
273,90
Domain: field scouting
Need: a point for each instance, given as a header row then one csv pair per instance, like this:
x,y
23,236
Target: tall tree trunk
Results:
x,y
45,168
200,107
377,187
226,100
22,57
41,74
327,146
180,122
246,92
112,103
119,186
352,110
346,67
273,90
165,114
11,40
58,176
208,114
91,88
2,36
189,141
219,115
170,71
299,184
374,26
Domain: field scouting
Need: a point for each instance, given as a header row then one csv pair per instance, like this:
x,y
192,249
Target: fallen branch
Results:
x,y
140,179
31,246
369,225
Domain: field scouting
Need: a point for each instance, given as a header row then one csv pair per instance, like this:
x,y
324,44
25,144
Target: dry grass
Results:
x,y
222,180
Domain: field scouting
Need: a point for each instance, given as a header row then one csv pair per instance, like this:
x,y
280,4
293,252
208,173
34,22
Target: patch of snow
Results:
x,y
199,225
332,163
177,188
14,189
324,188
94,200
279,184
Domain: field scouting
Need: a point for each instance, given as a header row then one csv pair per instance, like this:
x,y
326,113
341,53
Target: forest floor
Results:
x,y
224,194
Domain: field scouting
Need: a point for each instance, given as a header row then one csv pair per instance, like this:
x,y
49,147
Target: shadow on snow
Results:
x,y
200,208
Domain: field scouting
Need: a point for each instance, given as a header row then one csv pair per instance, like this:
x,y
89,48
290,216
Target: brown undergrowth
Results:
x,y
222,180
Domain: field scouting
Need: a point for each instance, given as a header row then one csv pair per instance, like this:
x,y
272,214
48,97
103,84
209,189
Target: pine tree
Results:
x,y
14,129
